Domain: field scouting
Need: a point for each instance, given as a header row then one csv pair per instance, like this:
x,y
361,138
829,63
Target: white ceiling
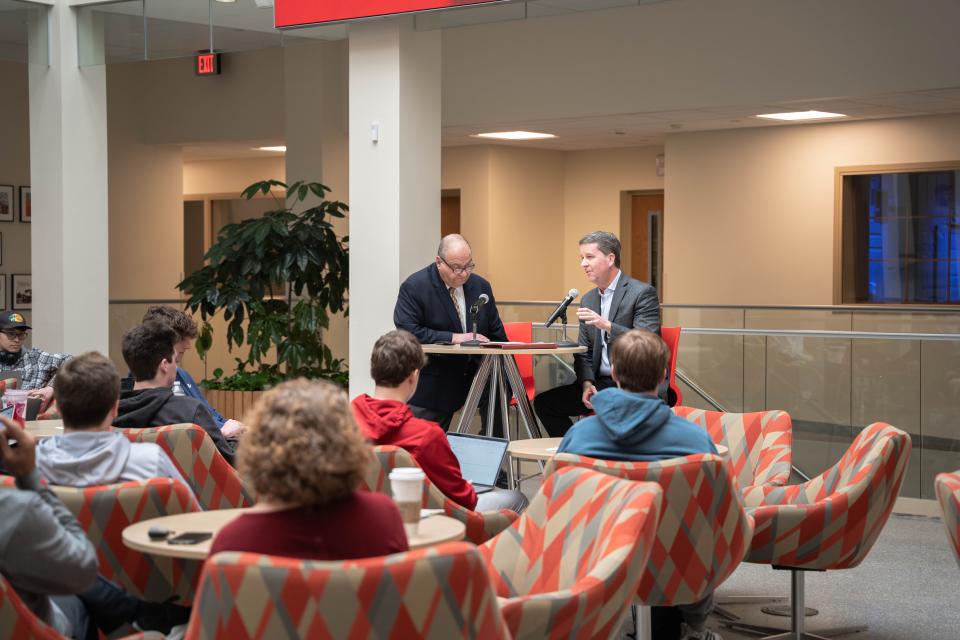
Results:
x,y
651,128
575,133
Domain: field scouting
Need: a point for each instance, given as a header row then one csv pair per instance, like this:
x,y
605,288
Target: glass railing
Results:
x,y
835,370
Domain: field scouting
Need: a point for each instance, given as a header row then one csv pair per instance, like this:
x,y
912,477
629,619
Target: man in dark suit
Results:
x,y
434,304
617,305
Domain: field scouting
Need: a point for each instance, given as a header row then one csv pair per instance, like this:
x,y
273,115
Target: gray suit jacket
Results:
x,y
635,306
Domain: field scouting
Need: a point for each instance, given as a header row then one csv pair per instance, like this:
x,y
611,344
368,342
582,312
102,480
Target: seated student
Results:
x,y
89,452
38,367
305,459
43,550
150,353
385,418
632,423
186,328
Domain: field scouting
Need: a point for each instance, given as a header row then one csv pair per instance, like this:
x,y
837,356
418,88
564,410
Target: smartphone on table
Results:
x,y
190,537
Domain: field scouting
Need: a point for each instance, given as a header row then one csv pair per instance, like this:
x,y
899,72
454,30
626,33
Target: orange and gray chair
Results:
x,y
216,484
18,621
703,532
831,521
104,511
571,565
760,443
442,592
481,525
948,493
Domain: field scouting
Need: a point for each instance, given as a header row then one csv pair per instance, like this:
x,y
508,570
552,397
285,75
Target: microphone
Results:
x,y
562,308
482,300
474,312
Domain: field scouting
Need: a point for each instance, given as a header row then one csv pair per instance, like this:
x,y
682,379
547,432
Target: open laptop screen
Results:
x,y
480,457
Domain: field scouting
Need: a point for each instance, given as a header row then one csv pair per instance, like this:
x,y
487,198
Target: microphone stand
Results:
x,y
474,312
565,342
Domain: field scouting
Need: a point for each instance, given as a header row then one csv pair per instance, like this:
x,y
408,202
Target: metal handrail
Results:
x,y
840,308
813,333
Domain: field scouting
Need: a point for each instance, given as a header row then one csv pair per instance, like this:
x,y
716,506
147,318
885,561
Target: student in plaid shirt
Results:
x,y
38,367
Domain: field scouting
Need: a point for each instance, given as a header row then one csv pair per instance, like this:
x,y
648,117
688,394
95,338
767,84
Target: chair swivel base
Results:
x,y
786,611
797,619
725,613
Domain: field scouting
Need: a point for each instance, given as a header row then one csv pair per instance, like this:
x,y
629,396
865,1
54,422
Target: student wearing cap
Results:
x,y
38,367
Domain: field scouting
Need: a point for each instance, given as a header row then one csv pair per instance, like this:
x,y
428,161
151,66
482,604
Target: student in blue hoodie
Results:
x,y
632,423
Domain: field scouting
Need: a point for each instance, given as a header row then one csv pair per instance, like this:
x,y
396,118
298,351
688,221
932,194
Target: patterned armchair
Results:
x,y
481,526
216,484
831,521
105,511
573,561
703,532
442,592
17,621
761,443
948,492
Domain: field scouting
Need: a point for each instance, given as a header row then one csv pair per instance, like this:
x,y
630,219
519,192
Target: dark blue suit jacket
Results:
x,y
424,308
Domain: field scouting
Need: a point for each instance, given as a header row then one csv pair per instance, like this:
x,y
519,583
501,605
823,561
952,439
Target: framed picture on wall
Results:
x,y
3,290
26,211
21,291
6,203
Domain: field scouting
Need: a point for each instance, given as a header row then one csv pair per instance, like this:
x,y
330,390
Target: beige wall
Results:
x,y
221,177
15,172
524,210
750,213
593,184
511,210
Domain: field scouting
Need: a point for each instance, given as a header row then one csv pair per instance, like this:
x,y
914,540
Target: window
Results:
x,y
901,237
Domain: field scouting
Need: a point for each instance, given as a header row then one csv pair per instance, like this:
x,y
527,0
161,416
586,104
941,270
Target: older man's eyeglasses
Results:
x,y
457,269
15,335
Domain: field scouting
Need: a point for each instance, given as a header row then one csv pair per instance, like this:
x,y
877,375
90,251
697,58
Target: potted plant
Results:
x,y
277,279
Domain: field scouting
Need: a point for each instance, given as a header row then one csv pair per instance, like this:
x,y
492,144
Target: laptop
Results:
x,y
480,458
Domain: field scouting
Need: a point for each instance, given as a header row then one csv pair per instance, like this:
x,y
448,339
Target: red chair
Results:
x,y
522,332
671,335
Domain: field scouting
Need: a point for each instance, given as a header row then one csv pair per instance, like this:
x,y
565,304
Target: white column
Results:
x,y
315,99
394,180
68,172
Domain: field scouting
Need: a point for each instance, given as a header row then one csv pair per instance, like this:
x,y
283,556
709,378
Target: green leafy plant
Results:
x,y
277,279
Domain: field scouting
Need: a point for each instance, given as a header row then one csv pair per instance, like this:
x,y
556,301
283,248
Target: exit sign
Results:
x,y
207,64
296,13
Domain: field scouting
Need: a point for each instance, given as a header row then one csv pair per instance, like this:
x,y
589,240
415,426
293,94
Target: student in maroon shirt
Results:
x,y
386,419
304,457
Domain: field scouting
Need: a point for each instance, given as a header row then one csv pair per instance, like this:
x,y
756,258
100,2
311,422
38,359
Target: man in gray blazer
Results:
x,y
617,305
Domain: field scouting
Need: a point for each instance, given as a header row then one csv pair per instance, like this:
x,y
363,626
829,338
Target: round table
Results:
x,y
542,449
533,449
433,530
41,429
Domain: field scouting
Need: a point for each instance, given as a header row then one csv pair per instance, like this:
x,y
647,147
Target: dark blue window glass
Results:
x,y
901,238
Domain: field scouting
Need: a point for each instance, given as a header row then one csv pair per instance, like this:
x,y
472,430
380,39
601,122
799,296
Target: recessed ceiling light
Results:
x,y
280,148
226,0
801,115
515,135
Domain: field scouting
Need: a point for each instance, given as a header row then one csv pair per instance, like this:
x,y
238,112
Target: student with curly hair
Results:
x,y
305,458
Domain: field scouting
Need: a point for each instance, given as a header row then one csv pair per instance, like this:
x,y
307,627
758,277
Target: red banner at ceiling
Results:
x,y
293,13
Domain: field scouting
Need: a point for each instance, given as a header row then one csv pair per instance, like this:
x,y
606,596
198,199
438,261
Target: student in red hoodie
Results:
x,y
386,419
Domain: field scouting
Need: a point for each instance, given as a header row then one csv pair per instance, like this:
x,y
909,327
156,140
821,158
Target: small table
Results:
x,y
41,429
433,530
542,449
536,449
